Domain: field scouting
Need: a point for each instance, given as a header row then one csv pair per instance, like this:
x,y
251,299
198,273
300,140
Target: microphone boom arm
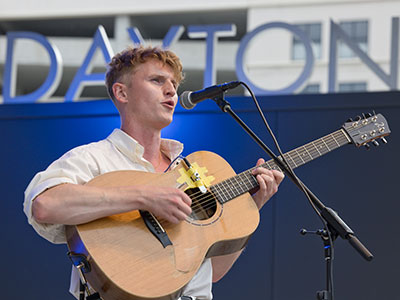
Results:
x,y
335,223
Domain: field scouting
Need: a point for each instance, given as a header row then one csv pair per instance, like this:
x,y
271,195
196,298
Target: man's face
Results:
x,y
152,96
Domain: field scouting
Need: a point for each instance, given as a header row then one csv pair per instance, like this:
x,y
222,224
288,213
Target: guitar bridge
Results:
x,y
155,228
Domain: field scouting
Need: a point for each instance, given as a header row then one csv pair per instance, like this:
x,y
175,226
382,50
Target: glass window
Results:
x,y
312,88
358,32
314,33
349,87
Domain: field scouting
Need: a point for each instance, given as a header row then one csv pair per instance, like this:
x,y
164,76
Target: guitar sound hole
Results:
x,y
203,206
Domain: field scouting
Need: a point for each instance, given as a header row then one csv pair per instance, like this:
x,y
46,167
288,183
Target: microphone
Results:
x,y
189,99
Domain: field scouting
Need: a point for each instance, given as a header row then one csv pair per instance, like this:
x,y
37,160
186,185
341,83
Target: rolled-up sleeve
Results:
x,y
77,167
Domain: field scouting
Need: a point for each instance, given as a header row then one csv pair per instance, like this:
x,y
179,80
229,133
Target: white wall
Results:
x,y
378,14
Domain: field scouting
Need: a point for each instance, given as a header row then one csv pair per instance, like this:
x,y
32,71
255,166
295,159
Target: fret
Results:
x,y
341,137
239,184
230,188
322,146
270,165
253,180
234,189
345,135
322,139
244,182
304,153
295,157
222,193
214,189
316,148
288,155
226,188
300,156
335,139
309,154
248,177
244,174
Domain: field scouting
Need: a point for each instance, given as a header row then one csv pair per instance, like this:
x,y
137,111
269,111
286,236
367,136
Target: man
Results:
x,y
142,82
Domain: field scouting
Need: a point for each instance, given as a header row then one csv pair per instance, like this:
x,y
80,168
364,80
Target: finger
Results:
x,y
260,161
183,203
179,215
185,198
185,209
272,183
173,219
260,170
261,183
279,176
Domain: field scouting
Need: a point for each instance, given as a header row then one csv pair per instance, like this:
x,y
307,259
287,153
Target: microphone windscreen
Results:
x,y
184,100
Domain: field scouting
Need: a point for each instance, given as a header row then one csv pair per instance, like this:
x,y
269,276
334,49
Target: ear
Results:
x,y
120,94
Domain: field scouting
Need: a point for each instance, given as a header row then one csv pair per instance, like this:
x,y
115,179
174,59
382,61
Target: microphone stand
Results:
x,y
335,225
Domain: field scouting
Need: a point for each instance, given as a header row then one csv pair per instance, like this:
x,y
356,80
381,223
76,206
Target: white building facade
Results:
x,y
272,61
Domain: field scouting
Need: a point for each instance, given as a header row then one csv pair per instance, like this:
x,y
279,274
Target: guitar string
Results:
x,y
248,173
208,197
200,204
333,141
206,201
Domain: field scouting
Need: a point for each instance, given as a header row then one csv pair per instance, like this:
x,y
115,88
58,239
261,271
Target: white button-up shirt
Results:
x,y
117,152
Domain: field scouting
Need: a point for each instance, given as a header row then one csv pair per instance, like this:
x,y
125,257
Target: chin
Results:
x,y
164,123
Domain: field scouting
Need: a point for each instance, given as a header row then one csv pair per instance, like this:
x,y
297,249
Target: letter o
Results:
x,y
307,70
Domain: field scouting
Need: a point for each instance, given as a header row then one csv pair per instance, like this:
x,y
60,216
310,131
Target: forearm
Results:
x,y
72,204
222,264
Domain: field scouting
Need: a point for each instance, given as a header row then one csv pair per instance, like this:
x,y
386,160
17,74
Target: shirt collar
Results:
x,y
133,150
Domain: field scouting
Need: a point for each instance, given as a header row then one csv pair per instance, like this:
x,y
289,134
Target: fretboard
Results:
x,y
244,182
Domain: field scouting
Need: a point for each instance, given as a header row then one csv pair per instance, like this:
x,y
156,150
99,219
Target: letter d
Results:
x,y
10,70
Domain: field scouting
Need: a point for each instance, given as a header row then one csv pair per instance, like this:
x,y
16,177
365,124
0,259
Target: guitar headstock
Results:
x,y
367,129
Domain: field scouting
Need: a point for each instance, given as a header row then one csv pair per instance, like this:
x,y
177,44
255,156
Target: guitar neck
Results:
x,y
246,181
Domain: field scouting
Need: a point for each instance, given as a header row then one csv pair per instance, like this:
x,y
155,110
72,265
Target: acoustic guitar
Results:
x,y
134,255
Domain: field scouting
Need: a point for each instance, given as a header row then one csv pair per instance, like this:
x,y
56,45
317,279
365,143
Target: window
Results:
x,y
314,33
312,88
351,87
358,32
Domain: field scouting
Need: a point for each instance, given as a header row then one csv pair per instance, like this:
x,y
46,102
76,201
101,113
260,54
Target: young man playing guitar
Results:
x,y
142,82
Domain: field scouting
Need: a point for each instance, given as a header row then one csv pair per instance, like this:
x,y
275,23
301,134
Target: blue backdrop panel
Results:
x,y
278,263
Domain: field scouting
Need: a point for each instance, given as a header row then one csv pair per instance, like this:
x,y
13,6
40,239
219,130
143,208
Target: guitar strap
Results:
x,y
82,290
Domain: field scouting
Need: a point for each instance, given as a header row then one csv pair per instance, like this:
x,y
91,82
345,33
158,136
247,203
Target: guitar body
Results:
x,y
129,263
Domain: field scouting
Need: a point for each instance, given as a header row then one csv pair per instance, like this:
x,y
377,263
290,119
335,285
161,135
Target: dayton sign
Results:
x,y
100,41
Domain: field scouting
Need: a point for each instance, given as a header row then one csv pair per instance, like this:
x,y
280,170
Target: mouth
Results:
x,y
169,103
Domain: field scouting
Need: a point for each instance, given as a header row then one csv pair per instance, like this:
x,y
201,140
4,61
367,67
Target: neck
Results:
x,y
150,139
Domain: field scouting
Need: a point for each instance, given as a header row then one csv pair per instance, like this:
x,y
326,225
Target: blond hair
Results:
x,y
126,61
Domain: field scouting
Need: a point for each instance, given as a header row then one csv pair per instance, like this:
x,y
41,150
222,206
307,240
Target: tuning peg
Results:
x,y
383,140
349,120
368,115
375,143
367,146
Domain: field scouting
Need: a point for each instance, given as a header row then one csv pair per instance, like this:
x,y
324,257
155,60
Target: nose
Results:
x,y
169,89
